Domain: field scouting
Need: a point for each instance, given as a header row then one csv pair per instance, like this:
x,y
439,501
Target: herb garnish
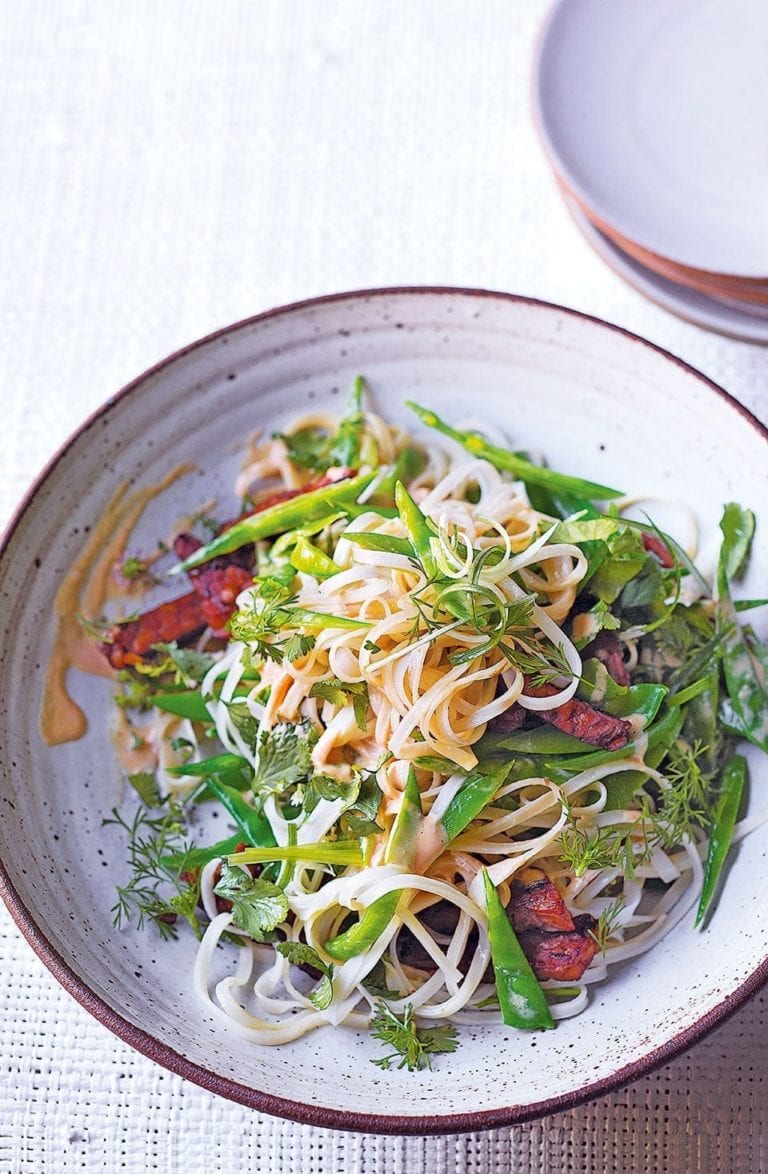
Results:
x,y
298,953
413,1046
258,906
341,693
158,859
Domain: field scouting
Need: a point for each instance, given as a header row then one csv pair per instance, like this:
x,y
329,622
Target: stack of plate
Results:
x,y
654,117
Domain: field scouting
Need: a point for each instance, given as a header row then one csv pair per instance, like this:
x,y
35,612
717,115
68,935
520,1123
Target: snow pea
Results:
x,y
409,464
476,792
745,665
692,691
522,1001
513,463
310,559
738,528
187,704
734,781
599,688
285,515
366,930
559,505
418,529
252,823
318,621
749,604
661,734
349,437
339,853
198,857
387,543
541,740
231,769
402,843
745,659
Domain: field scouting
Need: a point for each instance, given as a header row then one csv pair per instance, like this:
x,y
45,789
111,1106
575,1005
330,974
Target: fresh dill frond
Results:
x,y
540,661
606,925
624,846
687,801
152,840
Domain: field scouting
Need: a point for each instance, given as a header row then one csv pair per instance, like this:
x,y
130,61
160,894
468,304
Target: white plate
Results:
x,y
718,314
600,403
655,116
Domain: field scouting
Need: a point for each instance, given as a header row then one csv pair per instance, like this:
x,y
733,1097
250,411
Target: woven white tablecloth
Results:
x,y
172,167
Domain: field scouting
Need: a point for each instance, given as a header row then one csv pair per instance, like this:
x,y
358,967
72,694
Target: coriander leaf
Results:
x,y
413,1046
363,811
244,722
144,784
322,787
284,757
617,562
333,789
258,906
308,448
341,693
298,953
375,982
267,615
297,645
133,568
360,825
316,449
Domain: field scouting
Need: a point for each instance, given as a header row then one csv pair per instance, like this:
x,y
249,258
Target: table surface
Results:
x,y
173,168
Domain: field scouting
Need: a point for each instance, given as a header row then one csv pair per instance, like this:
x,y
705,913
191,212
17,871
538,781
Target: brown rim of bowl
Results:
x,y
680,311
556,163
327,1118
668,269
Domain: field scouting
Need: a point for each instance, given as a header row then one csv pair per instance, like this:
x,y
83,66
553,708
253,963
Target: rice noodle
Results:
x,y
431,687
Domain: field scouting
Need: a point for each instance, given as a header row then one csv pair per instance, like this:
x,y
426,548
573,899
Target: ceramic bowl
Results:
x,y
599,402
721,314
648,115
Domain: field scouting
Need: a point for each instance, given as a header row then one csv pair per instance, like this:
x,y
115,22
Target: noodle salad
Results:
x,y
475,735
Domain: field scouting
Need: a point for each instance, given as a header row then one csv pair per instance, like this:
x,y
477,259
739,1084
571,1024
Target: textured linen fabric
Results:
x,y
167,169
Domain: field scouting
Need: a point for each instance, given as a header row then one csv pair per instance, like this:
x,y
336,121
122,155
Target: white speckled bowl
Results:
x,y
601,403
